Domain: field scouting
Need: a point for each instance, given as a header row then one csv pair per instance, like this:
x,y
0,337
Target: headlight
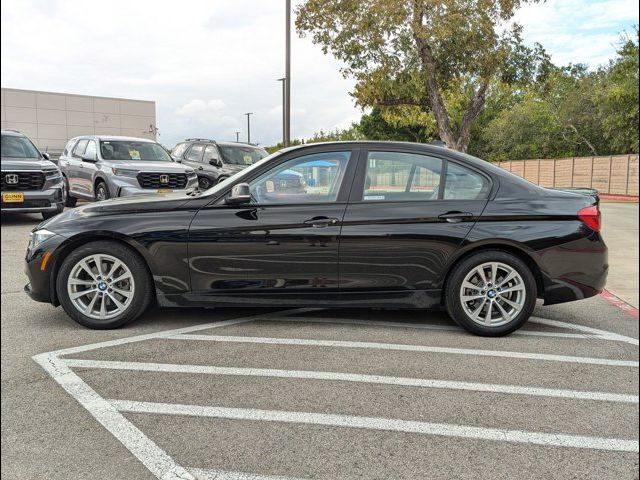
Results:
x,y
191,173
52,173
124,172
39,236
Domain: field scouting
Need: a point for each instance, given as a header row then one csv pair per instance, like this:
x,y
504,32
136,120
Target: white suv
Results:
x,y
97,167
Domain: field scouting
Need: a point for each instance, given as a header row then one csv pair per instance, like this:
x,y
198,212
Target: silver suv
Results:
x,y
97,167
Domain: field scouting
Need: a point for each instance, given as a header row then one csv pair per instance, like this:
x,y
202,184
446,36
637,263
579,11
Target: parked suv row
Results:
x,y
216,161
97,167
31,183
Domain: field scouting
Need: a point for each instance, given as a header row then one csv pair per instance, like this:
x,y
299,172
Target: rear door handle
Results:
x,y
321,222
456,217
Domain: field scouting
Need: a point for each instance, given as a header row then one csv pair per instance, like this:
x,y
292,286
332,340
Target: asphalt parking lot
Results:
x,y
255,394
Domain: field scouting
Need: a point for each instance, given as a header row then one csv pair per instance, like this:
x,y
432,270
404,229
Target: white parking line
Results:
x,y
429,326
406,348
595,331
372,423
149,453
352,377
203,474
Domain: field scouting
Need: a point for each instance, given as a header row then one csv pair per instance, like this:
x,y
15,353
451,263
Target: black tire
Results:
x,y
101,192
204,183
468,264
48,215
221,179
143,283
69,201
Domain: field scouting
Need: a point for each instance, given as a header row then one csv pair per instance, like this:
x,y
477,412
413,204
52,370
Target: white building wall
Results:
x,y
50,119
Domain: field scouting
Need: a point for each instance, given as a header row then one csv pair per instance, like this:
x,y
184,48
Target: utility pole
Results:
x,y
237,137
287,82
284,110
249,126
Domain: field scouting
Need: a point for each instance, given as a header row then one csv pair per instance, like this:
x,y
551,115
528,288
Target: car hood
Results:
x,y
156,202
164,167
25,164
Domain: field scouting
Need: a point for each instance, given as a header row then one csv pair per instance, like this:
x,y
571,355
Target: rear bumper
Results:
x,y
36,201
575,270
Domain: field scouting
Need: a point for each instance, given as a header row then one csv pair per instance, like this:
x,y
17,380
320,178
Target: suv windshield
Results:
x,y
241,154
18,147
132,150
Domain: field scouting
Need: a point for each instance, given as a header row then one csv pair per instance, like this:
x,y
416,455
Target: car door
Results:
x,y
285,241
88,168
74,168
408,213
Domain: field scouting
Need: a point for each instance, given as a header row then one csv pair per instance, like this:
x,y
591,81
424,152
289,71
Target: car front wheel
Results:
x,y
104,285
204,183
491,293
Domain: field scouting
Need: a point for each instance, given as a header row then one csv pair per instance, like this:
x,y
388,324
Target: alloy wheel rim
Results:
x,y
493,294
101,194
101,286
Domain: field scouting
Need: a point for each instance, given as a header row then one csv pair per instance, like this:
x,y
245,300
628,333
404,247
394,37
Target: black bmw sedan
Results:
x,y
355,224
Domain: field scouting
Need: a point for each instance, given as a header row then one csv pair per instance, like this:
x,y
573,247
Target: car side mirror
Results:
x,y
46,156
240,194
89,158
216,162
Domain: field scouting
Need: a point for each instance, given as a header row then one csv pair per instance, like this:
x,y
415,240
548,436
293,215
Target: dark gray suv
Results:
x,y
216,161
31,183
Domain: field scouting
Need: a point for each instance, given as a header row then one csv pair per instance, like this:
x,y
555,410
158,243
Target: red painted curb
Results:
x,y
620,304
619,198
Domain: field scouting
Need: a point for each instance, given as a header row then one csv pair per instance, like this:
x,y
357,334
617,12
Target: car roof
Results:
x,y
114,138
13,133
216,142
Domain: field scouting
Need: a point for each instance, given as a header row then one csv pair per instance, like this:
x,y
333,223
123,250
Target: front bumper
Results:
x,y
126,187
40,287
36,201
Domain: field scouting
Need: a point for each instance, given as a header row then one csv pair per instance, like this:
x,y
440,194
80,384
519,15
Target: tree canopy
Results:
x,y
422,56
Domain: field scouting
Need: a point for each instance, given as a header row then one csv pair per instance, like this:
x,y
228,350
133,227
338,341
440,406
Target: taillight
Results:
x,y
590,216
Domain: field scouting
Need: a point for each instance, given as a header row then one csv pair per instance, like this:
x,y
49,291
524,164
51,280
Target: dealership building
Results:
x,y
50,119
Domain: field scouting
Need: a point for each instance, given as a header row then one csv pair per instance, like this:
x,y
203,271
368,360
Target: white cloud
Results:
x,y
207,62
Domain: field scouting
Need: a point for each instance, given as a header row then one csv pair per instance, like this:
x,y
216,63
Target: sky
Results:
x,y
207,62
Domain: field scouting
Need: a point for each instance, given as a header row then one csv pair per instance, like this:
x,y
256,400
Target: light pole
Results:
x,y
249,126
284,110
237,137
287,82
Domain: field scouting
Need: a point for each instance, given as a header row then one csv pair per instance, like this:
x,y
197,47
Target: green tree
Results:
x,y
617,100
439,57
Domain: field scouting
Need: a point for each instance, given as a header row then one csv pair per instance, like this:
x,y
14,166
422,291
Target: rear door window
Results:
x,y
195,153
398,176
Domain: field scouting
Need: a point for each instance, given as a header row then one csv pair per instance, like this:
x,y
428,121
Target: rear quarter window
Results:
x,y
462,183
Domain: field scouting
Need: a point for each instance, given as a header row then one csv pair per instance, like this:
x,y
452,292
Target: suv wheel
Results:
x,y
204,183
104,285
491,293
102,192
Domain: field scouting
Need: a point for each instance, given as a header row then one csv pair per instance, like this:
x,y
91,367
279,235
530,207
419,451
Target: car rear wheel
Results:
x,y
104,285
491,293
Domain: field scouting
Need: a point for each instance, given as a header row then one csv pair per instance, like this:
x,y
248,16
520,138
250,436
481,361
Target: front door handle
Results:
x,y
456,217
321,222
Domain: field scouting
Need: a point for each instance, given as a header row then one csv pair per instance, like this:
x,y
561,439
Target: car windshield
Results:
x,y
241,154
133,151
18,147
